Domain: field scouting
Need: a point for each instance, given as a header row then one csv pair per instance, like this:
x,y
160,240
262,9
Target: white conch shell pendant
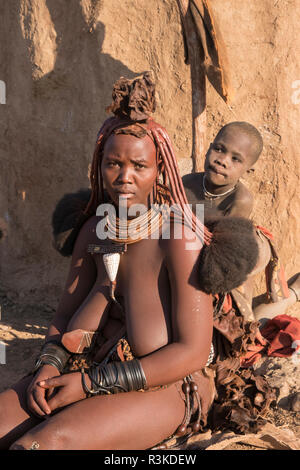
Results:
x,y
111,262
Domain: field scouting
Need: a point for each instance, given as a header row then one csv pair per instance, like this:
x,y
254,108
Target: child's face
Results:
x,y
129,168
229,156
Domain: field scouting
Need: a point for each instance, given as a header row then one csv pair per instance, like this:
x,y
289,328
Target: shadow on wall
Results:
x,y
63,111
78,89
80,66
59,84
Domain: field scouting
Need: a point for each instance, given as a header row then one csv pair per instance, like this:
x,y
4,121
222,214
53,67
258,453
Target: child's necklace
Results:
x,y
209,195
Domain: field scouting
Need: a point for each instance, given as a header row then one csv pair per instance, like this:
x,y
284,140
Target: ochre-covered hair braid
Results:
x,y
178,196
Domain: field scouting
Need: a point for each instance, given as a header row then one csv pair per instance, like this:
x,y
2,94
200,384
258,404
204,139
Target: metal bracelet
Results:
x,y
86,389
52,353
56,349
45,361
116,377
54,359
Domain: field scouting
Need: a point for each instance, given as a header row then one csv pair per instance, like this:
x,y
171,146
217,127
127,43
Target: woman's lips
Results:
x,y
125,195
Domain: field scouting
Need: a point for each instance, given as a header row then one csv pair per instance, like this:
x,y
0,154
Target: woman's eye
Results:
x,y
139,166
235,159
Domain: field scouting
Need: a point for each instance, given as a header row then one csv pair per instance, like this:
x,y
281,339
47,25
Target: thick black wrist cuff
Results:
x,y
115,377
52,353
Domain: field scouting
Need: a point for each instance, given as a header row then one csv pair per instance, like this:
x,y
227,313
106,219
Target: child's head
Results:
x,y
233,152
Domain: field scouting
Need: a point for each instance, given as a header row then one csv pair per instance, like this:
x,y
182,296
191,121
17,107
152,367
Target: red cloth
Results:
x,y
282,335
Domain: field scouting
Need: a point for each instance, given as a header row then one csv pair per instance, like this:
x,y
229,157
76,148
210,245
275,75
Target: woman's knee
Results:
x,y
45,436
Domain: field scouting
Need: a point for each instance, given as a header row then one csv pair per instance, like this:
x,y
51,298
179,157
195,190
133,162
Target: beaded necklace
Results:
x,y
214,196
123,232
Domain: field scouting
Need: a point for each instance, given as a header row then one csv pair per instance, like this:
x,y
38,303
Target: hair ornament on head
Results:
x,y
134,99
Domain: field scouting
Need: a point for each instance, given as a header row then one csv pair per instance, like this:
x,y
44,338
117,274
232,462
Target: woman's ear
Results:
x,y
251,170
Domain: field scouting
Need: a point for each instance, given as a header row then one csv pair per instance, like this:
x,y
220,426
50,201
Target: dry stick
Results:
x,y
198,80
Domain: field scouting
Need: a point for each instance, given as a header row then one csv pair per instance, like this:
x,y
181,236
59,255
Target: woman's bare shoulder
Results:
x,y
87,234
182,243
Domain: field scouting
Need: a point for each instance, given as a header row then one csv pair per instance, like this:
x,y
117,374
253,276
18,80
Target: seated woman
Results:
x,y
152,380
168,318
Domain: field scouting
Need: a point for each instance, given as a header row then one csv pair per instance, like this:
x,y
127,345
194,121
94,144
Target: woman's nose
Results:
x,y
124,175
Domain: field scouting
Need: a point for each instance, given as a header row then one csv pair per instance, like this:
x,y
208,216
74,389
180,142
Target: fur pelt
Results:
x,y
231,256
68,217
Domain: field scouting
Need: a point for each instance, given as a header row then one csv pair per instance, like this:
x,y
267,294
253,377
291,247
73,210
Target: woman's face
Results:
x,y
129,168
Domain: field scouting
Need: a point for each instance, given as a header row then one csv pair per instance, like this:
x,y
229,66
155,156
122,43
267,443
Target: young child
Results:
x,y
231,155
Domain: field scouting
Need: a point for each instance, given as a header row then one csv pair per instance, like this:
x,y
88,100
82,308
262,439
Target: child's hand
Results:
x,y
36,395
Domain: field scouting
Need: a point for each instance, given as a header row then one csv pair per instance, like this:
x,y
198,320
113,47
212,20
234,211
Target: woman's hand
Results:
x,y
36,395
69,389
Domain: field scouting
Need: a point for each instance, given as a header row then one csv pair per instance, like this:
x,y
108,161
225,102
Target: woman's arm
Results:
x,y
81,282
192,319
192,326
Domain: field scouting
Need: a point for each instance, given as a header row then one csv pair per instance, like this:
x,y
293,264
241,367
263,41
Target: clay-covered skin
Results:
x,y
168,324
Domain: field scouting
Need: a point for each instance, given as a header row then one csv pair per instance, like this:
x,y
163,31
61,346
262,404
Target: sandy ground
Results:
x,y
23,328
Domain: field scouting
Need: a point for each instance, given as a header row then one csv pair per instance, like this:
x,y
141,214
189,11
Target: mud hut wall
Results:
x,y
59,61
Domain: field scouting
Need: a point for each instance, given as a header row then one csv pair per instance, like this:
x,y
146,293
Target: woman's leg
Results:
x,y
15,419
135,420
